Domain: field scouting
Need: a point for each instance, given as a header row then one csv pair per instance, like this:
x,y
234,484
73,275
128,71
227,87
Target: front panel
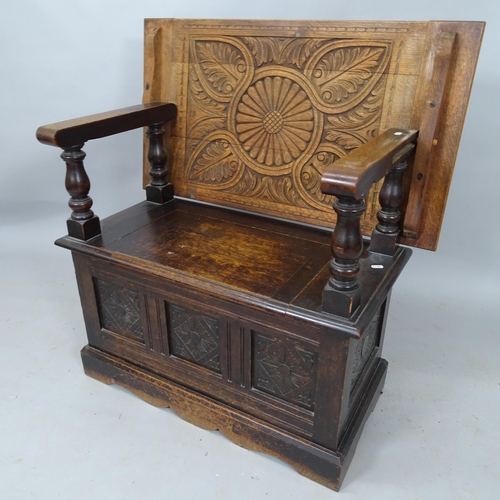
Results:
x,y
255,364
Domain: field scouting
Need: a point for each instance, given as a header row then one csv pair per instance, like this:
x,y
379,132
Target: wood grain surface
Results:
x,y
266,106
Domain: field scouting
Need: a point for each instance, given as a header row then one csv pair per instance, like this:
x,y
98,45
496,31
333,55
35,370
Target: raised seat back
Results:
x,y
265,106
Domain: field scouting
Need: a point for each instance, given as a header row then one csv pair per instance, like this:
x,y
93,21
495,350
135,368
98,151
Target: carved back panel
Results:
x,y
264,107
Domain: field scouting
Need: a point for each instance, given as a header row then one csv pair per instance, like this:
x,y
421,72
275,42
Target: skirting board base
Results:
x,y
324,466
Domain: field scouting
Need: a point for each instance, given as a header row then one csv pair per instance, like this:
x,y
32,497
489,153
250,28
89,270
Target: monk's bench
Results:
x,y
224,295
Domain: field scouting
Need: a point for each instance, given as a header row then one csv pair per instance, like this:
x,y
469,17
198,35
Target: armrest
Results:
x,y
80,130
71,135
354,174
349,179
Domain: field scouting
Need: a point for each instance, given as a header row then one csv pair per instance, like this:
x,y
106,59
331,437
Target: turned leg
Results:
x,y
82,224
390,198
342,293
159,189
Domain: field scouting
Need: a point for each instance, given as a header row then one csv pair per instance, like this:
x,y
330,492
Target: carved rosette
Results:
x,y
284,370
119,309
194,337
274,121
266,116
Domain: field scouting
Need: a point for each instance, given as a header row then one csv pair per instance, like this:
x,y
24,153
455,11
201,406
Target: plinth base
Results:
x,y
309,459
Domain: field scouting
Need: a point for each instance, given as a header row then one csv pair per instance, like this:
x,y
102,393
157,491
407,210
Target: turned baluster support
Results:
x,y
82,224
71,135
391,197
342,293
349,179
159,190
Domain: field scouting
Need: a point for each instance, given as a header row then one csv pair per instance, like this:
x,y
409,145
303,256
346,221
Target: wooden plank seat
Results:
x,y
254,259
225,294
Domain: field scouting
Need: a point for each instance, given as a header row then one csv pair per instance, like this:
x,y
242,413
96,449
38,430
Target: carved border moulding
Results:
x,y
265,116
295,27
365,348
283,369
119,309
194,337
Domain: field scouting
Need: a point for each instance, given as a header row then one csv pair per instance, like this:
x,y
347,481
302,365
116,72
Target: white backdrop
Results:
x,y
62,59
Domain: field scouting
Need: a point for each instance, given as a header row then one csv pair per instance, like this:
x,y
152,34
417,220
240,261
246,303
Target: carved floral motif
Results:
x,y
194,337
285,370
222,64
265,115
274,121
282,51
216,163
274,189
344,72
311,175
119,309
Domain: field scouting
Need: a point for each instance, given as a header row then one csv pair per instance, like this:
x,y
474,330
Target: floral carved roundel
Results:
x,y
274,121
265,116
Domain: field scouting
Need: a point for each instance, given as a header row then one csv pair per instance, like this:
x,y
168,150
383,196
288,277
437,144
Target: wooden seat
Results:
x,y
225,295
260,259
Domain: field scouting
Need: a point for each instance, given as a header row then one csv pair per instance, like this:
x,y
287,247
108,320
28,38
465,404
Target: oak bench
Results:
x,y
225,295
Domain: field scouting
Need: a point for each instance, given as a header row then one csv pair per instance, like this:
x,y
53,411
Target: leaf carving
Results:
x,y
282,51
345,71
311,176
276,189
298,52
354,127
264,49
222,64
204,127
215,164
206,102
346,141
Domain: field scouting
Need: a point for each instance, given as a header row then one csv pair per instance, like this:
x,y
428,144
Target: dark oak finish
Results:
x,y
341,294
354,174
311,460
71,136
391,198
350,179
83,224
266,350
270,330
80,130
159,190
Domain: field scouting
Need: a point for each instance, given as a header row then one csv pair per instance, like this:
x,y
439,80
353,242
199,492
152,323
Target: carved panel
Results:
x,y
285,370
266,115
364,349
119,309
194,337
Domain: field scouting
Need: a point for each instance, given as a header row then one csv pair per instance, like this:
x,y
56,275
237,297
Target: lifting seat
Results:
x,y
224,295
